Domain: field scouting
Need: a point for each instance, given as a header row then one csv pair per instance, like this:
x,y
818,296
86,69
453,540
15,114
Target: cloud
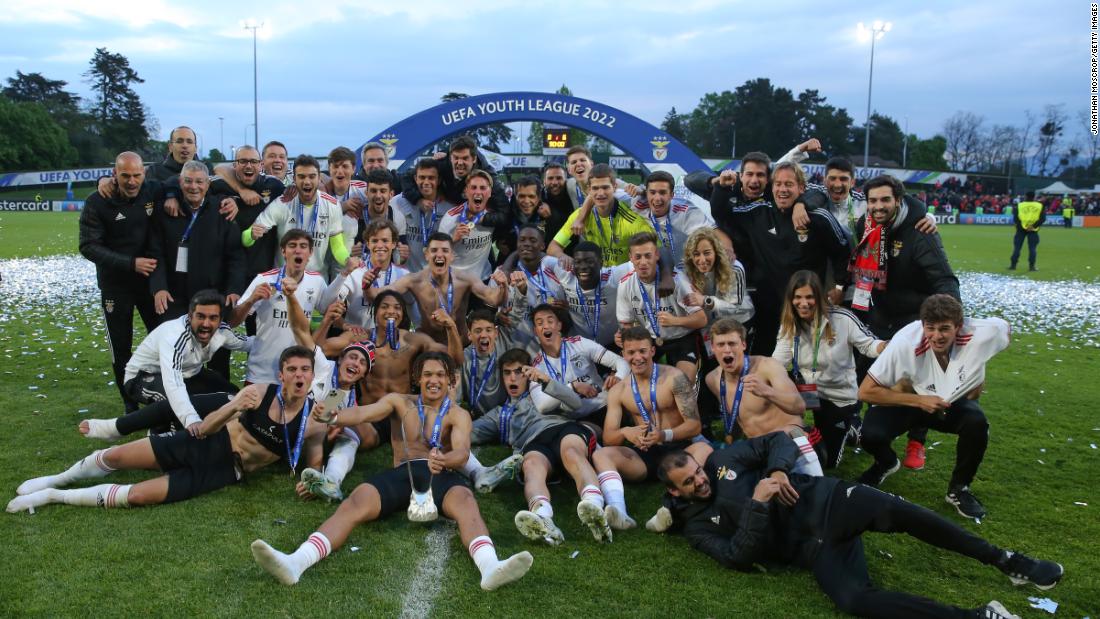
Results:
x,y
79,51
131,13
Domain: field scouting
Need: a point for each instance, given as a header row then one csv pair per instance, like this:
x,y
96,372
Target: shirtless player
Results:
x,y
429,435
439,286
657,430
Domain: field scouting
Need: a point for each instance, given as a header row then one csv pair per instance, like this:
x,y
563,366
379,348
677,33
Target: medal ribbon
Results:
x,y
506,412
449,307
437,427
729,415
292,457
564,363
647,306
594,322
647,416
475,392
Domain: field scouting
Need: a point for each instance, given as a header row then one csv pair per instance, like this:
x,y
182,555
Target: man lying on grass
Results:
x,y
743,506
240,434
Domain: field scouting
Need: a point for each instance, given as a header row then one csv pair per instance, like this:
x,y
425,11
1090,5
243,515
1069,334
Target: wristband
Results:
x,y
667,435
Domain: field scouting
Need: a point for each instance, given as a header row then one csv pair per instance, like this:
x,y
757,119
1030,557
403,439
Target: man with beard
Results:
x,y
744,505
441,287
238,183
468,227
770,242
309,209
556,196
661,404
266,298
461,159
422,217
429,435
374,157
527,210
168,367
256,428
673,220
114,235
181,149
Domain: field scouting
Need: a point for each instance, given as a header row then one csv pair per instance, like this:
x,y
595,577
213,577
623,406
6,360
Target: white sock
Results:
x,y
484,554
103,429
541,505
808,462
315,548
473,467
592,494
91,467
613,492
342,457
104,495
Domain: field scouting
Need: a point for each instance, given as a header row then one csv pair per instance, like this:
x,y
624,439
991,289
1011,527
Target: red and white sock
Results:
x,y
107,496
593,495
315,548
541,505
613,491
484,554
91,467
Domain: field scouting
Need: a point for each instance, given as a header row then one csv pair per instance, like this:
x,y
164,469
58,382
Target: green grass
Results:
x,y
1062,254
193,558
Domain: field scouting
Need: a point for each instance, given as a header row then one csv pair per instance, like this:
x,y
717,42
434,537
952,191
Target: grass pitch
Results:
x,y
193,558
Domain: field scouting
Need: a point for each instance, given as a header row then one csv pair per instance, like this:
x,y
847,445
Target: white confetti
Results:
x,y
1046,604
1081,503
574,555
355,549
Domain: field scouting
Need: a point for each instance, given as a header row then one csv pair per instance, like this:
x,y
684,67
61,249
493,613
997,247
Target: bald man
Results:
x,y
114,234
182,147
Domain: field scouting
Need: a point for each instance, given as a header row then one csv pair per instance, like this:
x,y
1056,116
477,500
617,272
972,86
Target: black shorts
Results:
x,y
548,442
684,348
652,457
195,466
393,486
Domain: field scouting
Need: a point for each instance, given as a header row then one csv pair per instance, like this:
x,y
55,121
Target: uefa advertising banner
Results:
x,y
28,206
53,177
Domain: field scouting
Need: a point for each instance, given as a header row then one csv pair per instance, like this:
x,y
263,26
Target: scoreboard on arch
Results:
x,y
555,139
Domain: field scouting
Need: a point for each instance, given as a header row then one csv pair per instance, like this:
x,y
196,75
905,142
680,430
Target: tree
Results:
x,y
37,88
817,119
887,140
963,133
709,129
927,154
673,124
30,139
1051,127
119,114
996,148
490,137
215,156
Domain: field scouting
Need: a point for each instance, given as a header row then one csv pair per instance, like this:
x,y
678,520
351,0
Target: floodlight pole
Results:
x,y
255,83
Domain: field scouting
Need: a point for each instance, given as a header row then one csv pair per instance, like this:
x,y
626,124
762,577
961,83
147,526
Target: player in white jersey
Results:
x,y
168,367
379,193
421,219
532,284
573,360
374,271
673,325
309,209
672,219
938,364
473,237
591,290
265,298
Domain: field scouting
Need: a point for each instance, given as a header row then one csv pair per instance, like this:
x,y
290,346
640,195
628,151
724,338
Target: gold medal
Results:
x,y
729,439
660,341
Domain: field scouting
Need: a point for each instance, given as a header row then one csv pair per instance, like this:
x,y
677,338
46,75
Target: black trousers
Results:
x,y
158,415
1018,243
965,418
833,422
841,567
118,312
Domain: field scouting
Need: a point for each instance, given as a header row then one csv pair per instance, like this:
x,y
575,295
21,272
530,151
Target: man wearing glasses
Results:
x,y
182,147
246,176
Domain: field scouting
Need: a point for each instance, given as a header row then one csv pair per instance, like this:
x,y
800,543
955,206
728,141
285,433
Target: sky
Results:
x,y
336,72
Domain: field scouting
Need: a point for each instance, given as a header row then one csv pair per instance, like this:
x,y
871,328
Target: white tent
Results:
x,y
1058,188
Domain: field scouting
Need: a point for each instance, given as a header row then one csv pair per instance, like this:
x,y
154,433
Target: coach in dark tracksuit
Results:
x,y
730,509
114,234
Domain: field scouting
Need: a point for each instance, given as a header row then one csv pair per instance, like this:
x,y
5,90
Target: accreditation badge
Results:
x,y
861,298
181,259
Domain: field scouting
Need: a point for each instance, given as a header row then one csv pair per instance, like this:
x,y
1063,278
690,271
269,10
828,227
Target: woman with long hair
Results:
x,y
817,339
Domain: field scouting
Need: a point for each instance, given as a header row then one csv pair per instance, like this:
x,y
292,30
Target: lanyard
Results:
x,y
506,412
437,427
300,216
647,416
817,345
352,401
389,271
279,279
648,308
475,392
391,334
540,285
610,223
594,322
465,219
426,229
449,306
564,363
729,415
292,457
187,231
668,228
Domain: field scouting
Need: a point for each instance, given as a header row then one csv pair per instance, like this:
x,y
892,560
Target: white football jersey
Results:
x,y
273,334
